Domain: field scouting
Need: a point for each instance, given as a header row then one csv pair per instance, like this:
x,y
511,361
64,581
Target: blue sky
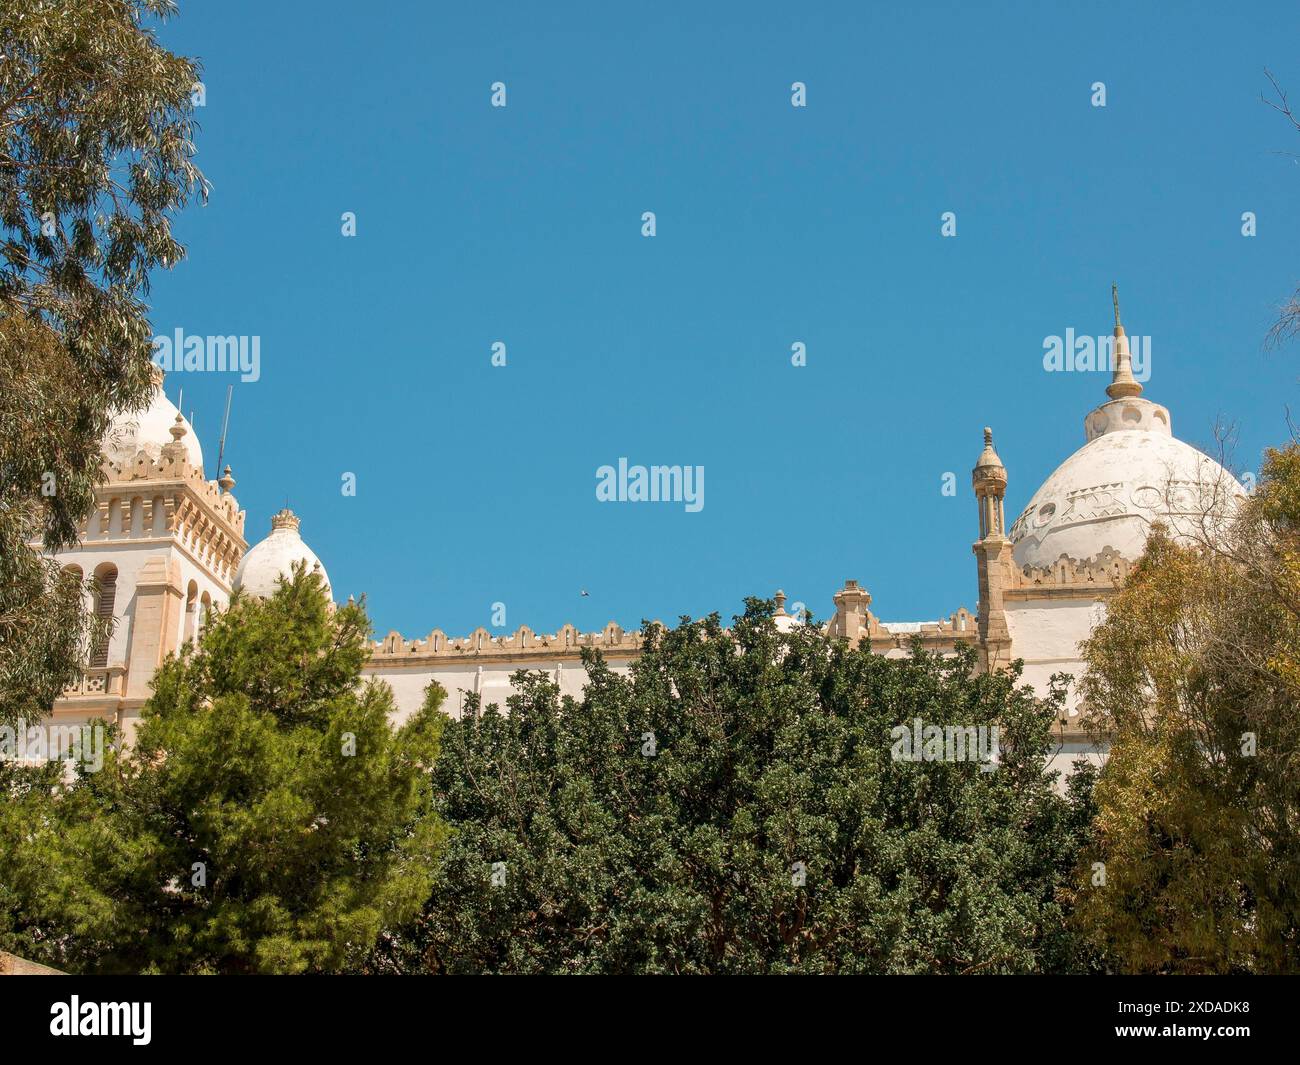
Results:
x,y
775,224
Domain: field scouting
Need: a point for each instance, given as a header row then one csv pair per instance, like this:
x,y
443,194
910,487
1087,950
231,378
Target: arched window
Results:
x,y
74,573
105,599
191,605
205,611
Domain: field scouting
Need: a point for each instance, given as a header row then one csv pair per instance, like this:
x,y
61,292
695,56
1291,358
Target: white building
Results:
x,y
167,545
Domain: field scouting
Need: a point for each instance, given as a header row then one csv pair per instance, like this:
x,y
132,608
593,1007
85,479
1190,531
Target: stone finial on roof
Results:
x,y
285,519
1122,383
989,456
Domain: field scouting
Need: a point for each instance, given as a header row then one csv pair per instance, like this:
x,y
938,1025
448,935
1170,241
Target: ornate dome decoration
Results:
x,y
150,430
275,556
1131,472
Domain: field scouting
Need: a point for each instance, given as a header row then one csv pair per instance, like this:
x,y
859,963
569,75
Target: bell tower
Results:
x,y
163,544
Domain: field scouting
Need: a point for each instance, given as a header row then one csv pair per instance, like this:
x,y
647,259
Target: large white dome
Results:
x,y
1131,473
275,556
148,430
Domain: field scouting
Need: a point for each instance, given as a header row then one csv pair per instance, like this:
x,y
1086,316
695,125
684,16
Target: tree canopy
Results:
x,y
734,805
96,158
268,818
1195,675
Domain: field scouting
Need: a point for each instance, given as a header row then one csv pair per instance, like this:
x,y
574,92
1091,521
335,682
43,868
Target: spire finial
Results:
x,y
1122,382
989,456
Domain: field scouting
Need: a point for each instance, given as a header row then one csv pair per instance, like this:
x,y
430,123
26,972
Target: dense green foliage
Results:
x,y
96,124
769,750
263,758
1195,675
731,805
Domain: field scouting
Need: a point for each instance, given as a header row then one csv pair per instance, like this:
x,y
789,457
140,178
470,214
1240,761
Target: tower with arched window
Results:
x,y
163,546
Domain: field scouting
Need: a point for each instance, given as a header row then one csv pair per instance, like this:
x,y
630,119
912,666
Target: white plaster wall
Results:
x,y
493,684
1063,760
1046,633
130,558
192,571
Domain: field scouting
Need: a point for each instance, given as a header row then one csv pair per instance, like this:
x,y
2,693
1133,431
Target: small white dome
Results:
x,y
275,556
1130,473
148,430
784,622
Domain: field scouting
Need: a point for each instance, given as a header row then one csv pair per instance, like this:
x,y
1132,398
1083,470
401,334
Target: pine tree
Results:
x,y
268,818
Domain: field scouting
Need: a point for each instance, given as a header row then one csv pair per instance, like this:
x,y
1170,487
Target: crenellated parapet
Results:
x,y
175,467
959,626
943,635
523,643
854,621
1071,577
168,497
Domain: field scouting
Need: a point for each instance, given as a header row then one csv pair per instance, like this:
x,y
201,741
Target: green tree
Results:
x,y
268,818
733,805
96,124
1195,674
